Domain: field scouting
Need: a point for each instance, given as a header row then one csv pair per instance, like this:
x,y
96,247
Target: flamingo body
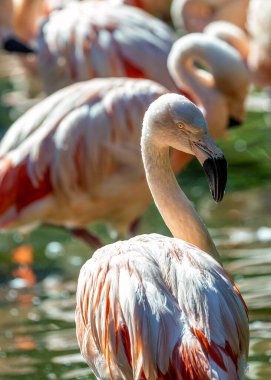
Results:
x,y
155,307
100,39
74,158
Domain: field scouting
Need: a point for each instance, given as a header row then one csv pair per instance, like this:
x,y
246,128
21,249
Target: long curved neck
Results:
x,y
175,208
187,76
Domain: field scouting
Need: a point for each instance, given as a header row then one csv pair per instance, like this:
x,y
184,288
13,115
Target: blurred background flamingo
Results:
x,y
78,158
156,307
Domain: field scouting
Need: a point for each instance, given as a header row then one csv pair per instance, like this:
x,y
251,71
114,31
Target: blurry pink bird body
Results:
x,y
161,308
74,159
155,307
100,39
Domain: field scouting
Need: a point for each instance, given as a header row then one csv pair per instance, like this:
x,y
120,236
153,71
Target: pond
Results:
x,y
38,271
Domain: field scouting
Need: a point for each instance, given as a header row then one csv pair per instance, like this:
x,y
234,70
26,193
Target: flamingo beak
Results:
x,y
215,166
14,45
233,122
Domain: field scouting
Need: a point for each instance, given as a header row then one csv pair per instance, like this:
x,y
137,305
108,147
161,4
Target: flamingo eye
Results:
x,y
180,125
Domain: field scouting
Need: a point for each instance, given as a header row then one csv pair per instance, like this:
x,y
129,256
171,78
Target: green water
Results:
x,y
37,333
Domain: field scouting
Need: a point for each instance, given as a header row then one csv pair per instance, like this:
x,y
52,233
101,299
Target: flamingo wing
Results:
x,y
154,307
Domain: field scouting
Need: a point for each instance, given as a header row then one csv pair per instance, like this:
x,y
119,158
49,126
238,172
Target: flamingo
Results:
x,y
95,39
157,307
27,15
103,39
74,158
195,15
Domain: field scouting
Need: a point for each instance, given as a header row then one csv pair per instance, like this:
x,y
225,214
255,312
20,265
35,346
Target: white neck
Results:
x,y
175,208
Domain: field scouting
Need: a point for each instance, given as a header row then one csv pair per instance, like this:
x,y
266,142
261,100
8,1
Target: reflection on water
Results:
x,y
38,272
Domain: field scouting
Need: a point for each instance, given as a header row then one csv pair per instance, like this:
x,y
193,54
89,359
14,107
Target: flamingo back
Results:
x,y
102,39
155,307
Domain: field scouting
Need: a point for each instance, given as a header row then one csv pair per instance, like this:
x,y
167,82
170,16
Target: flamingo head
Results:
x,y
179,123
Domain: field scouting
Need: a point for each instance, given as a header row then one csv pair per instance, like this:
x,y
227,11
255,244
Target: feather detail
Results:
x,y
144,324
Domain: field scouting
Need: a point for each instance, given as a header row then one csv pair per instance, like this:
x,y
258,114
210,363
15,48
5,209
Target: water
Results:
x,y
38,280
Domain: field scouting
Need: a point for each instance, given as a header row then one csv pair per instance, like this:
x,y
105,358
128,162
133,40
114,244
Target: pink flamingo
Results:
x,y
102,39
95,39
195,15
155,307
74,158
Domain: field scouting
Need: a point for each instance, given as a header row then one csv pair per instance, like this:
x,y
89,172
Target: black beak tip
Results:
x,y
12,44
216,171
233,122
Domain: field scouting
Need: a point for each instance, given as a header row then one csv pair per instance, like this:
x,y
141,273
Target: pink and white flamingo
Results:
x,y
74,158
156,307
100,39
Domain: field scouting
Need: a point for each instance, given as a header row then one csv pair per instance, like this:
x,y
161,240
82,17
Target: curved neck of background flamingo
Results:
x,y
177,211
184,66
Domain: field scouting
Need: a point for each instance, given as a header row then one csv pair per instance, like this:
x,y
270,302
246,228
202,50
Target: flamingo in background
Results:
x,y
26,16
74,158
101,39
155,307
194,15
